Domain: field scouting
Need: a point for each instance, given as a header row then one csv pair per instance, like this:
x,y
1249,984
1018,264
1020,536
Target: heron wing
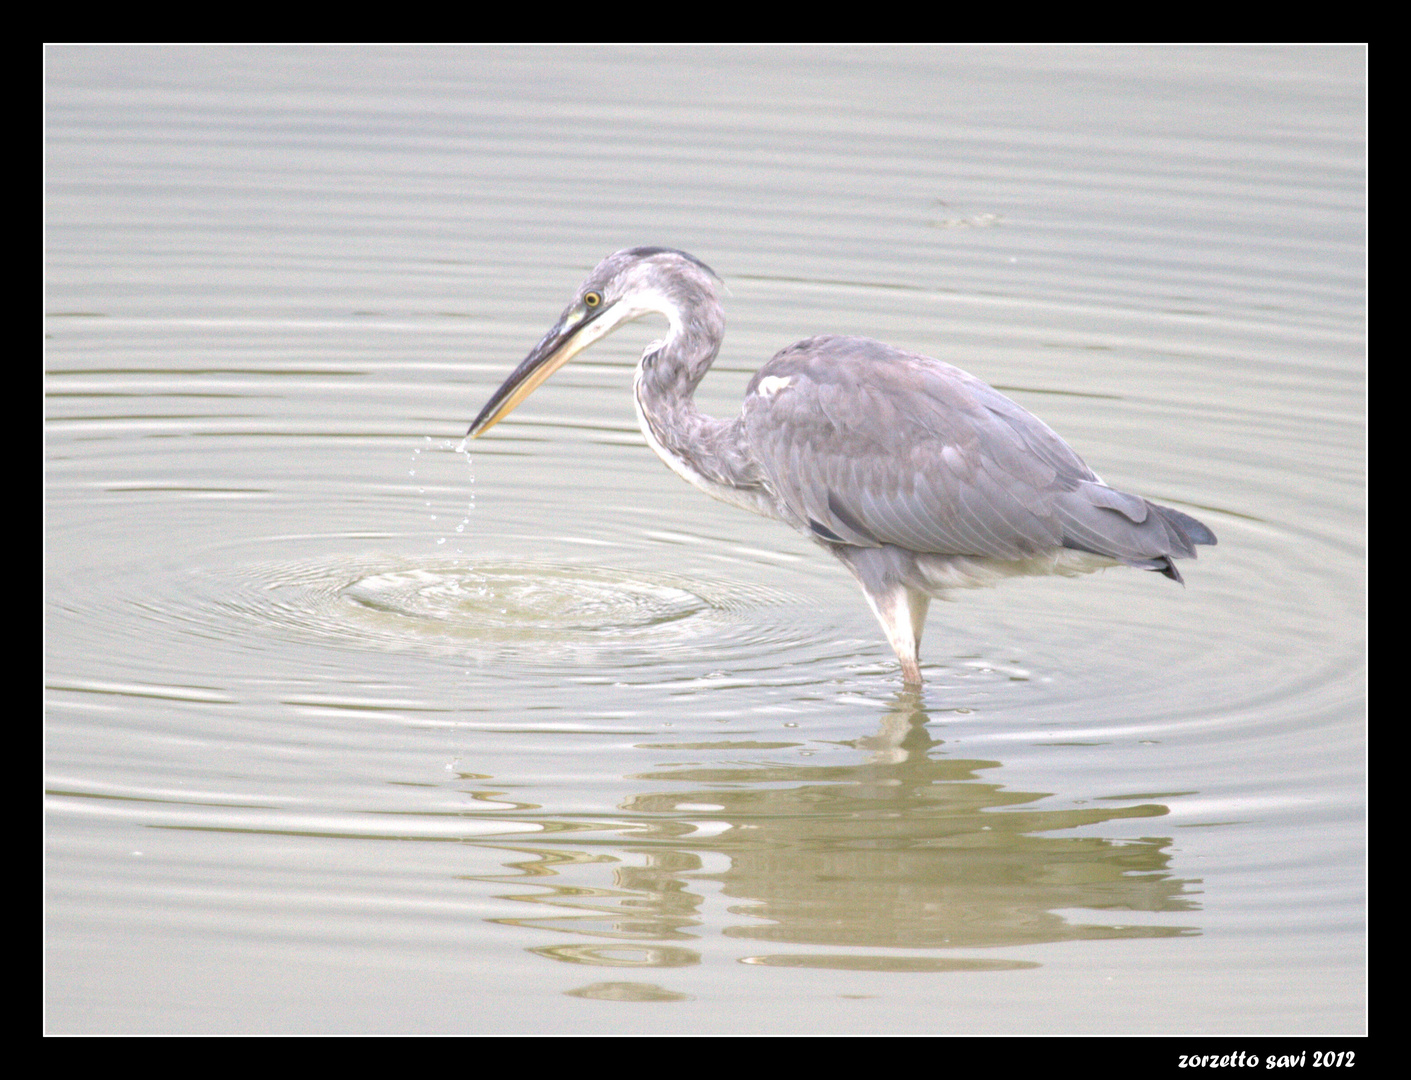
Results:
x,y
865,444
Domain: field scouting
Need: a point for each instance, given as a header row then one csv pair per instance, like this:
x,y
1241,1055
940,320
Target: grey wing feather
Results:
x,y
867,445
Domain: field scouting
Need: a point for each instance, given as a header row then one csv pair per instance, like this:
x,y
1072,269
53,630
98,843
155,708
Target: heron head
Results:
x,y
625,286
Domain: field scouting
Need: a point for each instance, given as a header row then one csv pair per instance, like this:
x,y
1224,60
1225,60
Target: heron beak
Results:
x,y
571,335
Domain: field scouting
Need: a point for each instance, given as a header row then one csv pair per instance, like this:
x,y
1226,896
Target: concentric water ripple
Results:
x,y
451,606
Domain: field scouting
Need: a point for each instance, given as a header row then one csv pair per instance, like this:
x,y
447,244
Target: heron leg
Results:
x,y
902,613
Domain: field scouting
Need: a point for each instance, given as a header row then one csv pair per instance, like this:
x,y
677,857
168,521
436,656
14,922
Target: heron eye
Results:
x,y
592,299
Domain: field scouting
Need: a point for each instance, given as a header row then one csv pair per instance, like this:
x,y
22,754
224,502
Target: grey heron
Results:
x,y
916,475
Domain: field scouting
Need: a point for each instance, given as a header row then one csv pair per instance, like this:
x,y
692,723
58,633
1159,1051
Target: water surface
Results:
x,y
346,731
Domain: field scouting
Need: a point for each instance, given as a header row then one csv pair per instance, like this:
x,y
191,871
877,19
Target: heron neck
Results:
x,y
703,450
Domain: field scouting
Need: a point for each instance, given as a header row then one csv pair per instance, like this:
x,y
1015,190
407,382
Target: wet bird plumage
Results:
x,y
916,475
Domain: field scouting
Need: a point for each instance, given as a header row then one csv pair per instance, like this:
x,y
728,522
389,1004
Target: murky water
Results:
x,y
347,731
